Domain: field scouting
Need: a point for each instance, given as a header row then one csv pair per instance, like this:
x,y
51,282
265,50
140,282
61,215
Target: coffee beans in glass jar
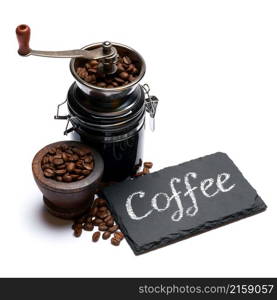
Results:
x,y
127,72
67,164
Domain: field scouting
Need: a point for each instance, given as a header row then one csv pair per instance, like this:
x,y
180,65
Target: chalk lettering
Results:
x,y
205,185
130,208
220,182
192,210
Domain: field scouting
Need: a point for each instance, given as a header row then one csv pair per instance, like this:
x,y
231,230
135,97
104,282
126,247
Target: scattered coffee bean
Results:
x,y
102,208
103,227
108,218
119,236
145,171
102,214
77,226
77,232
96,236
88,226
115,242
148,165
106,235
113,228
97,221
110,222
101,202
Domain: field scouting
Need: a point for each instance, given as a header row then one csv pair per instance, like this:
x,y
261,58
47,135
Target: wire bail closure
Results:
x,y
151,103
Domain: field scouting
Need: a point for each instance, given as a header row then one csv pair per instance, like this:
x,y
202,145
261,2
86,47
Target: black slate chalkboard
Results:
x,y
180,201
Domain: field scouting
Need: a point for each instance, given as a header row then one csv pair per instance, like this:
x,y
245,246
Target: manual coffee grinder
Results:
x,y
111,119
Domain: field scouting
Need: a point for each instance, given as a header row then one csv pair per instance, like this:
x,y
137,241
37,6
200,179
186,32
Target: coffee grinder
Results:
x,y
110,119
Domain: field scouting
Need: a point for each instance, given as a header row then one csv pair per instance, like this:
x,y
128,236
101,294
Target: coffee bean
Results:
x,y
123,75
115,242
60,172
75,157
148,165
46,166
58,155
74,176
48,173
93,62
59,167
80,177
102,227
88,226
97,221
145,171
126,60
78,171
64,147
119,235
59,178
88,159
101,202
106,235
119,80
102,215
88,166
96,236
110,222
102,208
89,219
70,167
52,151
113,229
45,160
77,226
101,84
69,151
108,218
85,172
58,161
77,232
67,178
115,84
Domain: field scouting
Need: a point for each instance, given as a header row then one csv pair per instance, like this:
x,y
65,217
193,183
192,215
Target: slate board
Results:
x,y
226,200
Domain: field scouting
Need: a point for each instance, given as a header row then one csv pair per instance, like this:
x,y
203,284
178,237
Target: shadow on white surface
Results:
x,y
52,221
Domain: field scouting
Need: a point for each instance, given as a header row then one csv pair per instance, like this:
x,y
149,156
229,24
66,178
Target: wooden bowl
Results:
x,y
68,200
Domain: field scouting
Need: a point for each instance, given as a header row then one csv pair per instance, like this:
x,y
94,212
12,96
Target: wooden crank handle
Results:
x,y
23,33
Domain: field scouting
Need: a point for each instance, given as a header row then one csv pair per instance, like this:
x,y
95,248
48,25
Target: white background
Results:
x,y
213,65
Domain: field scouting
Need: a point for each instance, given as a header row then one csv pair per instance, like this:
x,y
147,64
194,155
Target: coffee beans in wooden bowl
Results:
x,y
66,163
68,173
127,72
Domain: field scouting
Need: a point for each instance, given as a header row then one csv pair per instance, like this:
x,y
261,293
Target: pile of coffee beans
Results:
x,y
100,218
127,71
66,164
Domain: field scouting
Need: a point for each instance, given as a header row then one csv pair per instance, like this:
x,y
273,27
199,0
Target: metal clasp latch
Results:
x,y
66,117
151,103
